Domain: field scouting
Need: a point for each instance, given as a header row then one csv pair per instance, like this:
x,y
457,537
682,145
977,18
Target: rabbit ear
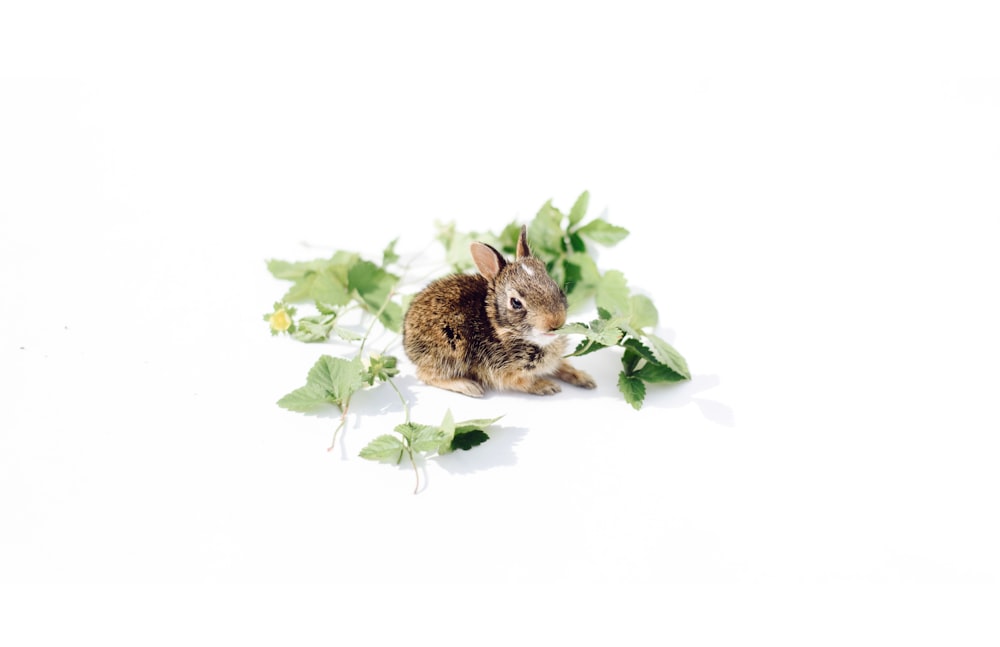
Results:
x,y
523,251
488,260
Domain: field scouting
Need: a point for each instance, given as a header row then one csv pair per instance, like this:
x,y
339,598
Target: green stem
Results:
x,y
406,406
416,472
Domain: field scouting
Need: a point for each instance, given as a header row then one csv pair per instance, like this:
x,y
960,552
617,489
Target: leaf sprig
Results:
x,y
414,439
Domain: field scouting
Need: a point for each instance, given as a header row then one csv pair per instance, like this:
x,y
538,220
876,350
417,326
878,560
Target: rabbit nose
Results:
x,y
556,322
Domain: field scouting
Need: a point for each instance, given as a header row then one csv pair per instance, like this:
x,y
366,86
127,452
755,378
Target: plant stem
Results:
x,y
416,472
406,406
340,425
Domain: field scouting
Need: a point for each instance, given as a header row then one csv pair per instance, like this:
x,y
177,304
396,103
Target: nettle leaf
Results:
x,y
340,377
652,370
314,329
389,255
469,439
421,438
598,334
643,313
324,286
383,448
579,209
294,271
447,432
545,233
633,388
331,380
603,232
613,292
465,434
305,399
668,356
374,285
581,278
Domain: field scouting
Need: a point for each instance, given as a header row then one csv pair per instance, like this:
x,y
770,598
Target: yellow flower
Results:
x,y
280,319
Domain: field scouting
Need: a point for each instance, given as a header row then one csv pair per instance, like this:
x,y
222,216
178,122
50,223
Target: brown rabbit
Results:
x,y
470,332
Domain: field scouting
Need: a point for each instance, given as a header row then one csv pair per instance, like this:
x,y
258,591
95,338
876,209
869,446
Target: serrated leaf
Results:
x,y
602,232
313,329
422,438
447,432
579,209
324,286
293,271
374,286
658,373
643,312
338,377
613,293
384,447
469,439
326,308
633,389
389,255
545,234
476,423
305,399
586,347
347,335
582,278
668,356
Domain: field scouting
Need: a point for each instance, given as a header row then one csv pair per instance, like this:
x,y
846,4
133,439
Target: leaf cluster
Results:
x,y
559,239
337,284
624,319
418,440
333,380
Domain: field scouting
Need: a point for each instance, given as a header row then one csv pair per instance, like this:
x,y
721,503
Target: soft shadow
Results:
x,y
498,451
682,394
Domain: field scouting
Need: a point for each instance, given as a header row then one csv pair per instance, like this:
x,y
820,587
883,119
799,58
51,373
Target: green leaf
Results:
x,y
294,271
381,367
447,432
613,293
469,439
643,312
476,423
586,347
658,373
579,209
420,438
347,335
313,329
668,356
582,278
384,447
331,380
654,370
389,255
374,287
324,286
602,232
633,389
305,399
545,234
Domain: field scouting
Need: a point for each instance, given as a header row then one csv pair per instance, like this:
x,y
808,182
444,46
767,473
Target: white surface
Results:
x,y
811,194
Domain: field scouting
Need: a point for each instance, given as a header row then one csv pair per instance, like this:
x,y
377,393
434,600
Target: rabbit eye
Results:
x,y
516,303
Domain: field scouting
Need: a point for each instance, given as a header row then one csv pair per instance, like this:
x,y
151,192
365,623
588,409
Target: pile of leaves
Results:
x,y
346,283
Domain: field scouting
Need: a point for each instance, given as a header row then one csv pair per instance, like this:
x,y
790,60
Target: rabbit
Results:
x,y
492,330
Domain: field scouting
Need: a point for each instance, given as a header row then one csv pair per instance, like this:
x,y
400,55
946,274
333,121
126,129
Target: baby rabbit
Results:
x,y
470,332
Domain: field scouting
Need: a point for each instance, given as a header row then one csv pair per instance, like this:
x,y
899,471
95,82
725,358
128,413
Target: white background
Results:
x,y
812,191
